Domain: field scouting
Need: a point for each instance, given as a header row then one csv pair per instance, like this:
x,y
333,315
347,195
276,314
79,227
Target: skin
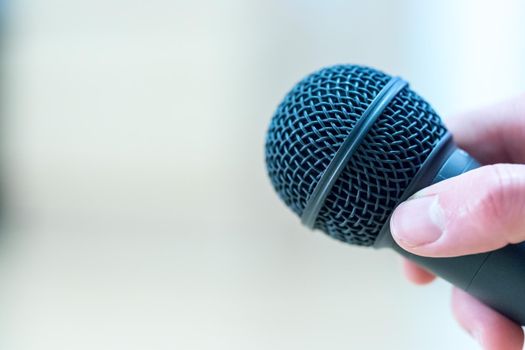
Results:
x,y
480,211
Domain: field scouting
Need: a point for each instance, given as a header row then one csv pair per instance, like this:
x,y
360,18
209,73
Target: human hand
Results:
x,y
475,212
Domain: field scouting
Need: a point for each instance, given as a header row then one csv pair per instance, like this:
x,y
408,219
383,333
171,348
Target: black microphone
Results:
x,y
349,143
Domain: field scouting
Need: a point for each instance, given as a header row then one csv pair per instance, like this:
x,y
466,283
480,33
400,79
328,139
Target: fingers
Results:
x,y
494,134
417,274
491,329
479,211
475,212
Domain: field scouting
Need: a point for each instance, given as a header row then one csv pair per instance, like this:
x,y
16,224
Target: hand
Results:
x,y
478,211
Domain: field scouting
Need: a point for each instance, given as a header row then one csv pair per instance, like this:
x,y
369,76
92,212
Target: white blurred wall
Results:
x,y
139,215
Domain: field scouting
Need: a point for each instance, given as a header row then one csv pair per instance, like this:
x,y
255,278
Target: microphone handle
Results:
x,y
496,278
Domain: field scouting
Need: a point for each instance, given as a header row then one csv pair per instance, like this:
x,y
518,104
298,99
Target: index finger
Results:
x,y
493,134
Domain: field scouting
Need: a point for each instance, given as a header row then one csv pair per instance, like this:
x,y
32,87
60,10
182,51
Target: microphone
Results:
x,y
349,143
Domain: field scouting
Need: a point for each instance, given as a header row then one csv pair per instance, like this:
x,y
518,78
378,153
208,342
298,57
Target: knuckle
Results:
x,y
503,200
494,198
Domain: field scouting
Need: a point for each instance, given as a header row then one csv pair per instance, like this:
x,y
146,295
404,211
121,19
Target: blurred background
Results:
x,y
137,212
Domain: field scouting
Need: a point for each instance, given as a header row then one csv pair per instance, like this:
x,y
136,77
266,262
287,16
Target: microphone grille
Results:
x,y
313,121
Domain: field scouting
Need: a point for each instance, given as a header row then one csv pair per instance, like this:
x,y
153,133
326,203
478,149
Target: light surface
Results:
x,y
140,215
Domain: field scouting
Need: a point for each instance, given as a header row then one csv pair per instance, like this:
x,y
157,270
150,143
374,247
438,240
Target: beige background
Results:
x,y
138,213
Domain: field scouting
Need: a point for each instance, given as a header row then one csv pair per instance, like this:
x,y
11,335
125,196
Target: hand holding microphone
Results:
x,y
479,211
349,144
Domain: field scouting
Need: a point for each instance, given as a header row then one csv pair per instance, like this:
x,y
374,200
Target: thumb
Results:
x,y
479,211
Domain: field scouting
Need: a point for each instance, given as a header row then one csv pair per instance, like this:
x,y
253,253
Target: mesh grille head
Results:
x,y
313,121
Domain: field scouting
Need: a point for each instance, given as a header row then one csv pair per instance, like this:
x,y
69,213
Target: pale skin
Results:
x,y
479,211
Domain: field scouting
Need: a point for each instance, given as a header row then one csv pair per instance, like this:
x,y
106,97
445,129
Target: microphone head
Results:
x,y
311,124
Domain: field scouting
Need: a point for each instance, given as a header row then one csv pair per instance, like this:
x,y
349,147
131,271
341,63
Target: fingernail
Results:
x,y
417,221
478,336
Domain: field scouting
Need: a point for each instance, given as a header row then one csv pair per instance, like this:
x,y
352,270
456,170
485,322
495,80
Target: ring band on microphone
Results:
x,y
348,148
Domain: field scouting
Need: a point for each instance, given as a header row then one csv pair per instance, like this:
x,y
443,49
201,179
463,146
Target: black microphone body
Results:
x,y
350,143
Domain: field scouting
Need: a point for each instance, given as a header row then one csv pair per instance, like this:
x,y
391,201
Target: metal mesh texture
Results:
x,y
310,125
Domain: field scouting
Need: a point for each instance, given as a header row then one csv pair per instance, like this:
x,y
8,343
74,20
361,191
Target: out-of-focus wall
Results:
x,y
466,54
139,212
